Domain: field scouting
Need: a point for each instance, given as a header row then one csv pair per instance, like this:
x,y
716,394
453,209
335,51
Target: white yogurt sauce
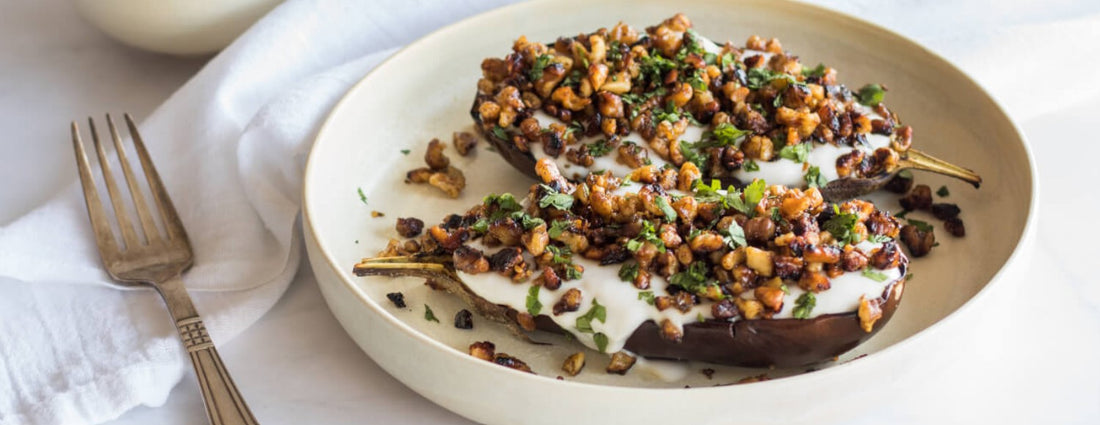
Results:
x,y
626,312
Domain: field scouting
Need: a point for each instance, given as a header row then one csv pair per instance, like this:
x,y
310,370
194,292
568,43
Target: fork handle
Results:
x,y
224,404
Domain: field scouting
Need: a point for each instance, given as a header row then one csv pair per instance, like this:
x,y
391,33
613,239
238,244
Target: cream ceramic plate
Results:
x,y
426,90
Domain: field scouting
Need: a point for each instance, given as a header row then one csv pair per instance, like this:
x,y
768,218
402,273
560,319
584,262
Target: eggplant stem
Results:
x,y
918,160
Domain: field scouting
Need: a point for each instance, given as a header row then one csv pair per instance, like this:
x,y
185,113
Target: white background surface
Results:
x,y
297,366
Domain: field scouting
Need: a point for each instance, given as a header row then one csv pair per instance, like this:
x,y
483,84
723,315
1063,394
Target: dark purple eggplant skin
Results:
x,y
758,343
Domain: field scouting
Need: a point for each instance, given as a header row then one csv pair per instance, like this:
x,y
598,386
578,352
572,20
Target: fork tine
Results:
x,y
100,224
172,222
129,237
147,224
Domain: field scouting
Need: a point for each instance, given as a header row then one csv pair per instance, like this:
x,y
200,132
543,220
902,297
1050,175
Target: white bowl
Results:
x,y
425,91
178,27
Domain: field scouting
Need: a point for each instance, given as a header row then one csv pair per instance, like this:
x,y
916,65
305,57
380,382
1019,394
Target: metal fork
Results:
x,y
154,259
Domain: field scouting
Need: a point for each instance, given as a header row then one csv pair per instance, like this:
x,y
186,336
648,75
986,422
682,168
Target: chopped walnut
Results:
x,y
621,362
573,364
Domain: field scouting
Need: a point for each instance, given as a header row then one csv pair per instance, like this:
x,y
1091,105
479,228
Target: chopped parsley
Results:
x,y
735,235
527,221
562,255
362,196
754,192
751,166
601,341
599,148
693,279
572,272
429,315
804,305
726,60
697,82
815,72
796,153
878,239
648,297
613,52
540,63
871,94
943,192
670,214
872,274
628,272
648,234
480,226
533,304
759,77
558,226
405,151
922,226
653,67
726,134
561,201
505,201
814,178
597,312
692,153
843,226
499,133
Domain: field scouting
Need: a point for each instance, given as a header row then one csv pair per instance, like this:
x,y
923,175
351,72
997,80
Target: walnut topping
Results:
x,y
573,364
621,362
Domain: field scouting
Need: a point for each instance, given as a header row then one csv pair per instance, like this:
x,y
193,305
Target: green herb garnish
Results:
x,y
922,226
871,94
562,255
362,196
648,233
405,151
878,239
429,315
599,148
804,305
759,77
693,279
597,312
601,341
815,72
505,201
561,201
814,178
751,166
533,304
735,235
558,226
628,272
843,226
670,214
499,133
943,192
796,153
876,276
480,226
648,297
572,272
540,63
727,135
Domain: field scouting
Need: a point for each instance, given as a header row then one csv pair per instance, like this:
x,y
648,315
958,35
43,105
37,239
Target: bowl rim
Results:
x,y
1026,236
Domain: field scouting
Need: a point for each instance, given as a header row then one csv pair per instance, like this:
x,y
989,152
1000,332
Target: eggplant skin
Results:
x,y
757,343
522,161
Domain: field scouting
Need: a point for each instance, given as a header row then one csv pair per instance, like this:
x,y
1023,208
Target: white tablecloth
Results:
x,y
297,366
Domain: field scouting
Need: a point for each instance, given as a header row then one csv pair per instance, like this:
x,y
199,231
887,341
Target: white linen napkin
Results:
x,y
231,145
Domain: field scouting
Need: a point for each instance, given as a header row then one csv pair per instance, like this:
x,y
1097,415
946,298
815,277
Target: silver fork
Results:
x,y
153,259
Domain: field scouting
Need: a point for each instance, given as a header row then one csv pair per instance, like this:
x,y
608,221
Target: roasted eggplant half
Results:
x,y
760,277
617,99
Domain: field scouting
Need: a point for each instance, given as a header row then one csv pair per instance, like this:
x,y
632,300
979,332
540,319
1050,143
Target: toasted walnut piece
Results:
x,y
566,97
483,350
573,364
621,362
944,211
409,226
686,207
733,258
570,301
470,260
508,361
814,281
760,261
419,175
525,321
772,298
955,227
446,239
919,242
787,267
663,302
536,239
723,309
506,231
888,256
918,199
642,280
759,147
434,156
748,309
464,319
671,332
759,230
551,76
849,163
853,259
899,184
549,279
827,254
795,202
464,142
869,312
451,181
548,172
706,241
